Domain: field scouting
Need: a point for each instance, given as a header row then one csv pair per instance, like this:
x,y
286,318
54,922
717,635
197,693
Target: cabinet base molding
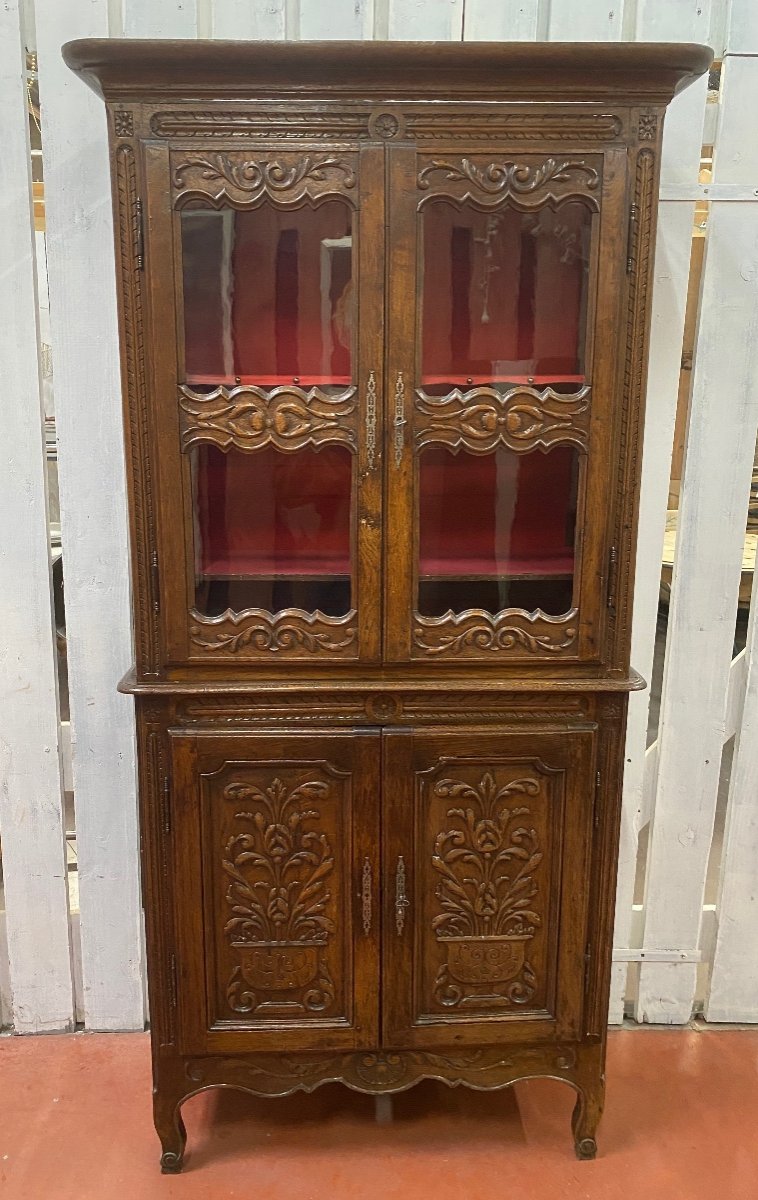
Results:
x,y
378,1072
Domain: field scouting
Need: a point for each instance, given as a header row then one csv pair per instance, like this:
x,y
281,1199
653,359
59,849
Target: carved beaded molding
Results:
x,y
522,418
365,123
249,417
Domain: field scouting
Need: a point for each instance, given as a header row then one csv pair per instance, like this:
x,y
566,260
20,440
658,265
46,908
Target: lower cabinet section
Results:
x,y
379,906
397,889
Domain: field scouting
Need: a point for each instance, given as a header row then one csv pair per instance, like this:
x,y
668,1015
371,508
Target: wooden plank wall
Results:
x,y
672,788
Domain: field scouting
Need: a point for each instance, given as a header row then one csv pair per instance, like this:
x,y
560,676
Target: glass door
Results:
x,y
277,398
497,390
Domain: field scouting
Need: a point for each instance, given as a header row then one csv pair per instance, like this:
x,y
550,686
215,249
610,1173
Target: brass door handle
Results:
x,y
371,422
401,900
366,890
399,420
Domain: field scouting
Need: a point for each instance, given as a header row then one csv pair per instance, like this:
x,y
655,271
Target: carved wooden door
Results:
x,y
506,270
266,277
487,841
276,890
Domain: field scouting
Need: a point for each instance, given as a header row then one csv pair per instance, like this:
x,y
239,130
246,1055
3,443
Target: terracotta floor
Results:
x,y
681,1122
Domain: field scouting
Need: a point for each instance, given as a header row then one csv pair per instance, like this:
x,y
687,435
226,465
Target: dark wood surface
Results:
x,y
380,850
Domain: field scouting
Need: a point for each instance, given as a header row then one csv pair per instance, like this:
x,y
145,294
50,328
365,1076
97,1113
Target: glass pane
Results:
x,y
272,530
504,295
267,295
496,530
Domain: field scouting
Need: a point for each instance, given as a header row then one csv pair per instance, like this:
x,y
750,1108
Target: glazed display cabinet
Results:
x,y
384,312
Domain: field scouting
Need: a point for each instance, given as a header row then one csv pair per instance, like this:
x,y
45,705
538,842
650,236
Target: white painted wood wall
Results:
x,y
57,967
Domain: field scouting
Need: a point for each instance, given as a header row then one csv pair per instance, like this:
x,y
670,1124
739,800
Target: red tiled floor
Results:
x,y
680,1123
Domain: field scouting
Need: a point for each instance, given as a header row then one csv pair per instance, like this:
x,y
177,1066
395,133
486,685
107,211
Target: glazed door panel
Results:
x,y
505,277
276,878
487,842
266,277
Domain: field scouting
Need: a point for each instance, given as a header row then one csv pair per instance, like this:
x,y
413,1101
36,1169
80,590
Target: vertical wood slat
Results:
x,y
153,18
685,20
588,21
31,794
93,516
264,19
336,19
733,991
718,464
509,21
426,20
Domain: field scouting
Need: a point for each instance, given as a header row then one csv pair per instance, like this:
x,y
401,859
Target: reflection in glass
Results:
x,y
272,530
496,530
267,295
504,295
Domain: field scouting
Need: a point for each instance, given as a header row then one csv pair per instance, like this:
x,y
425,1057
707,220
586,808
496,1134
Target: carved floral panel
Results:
x,y
279,891
489,857
521,418
250,417
237,177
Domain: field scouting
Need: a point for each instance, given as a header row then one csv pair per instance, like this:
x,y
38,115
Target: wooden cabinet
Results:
x,y
384,313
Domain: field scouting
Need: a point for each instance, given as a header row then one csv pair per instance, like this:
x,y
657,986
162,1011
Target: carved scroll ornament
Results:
x,y
291,633
522,418
216,177
507,179
249,417
513,631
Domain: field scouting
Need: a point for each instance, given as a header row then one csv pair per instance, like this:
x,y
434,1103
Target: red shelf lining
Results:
x,y
256,568
306,381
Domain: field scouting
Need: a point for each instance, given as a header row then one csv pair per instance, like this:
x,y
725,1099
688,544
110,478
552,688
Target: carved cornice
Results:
x,y
522,418
527,183
234,177
291,633
249,417
513,632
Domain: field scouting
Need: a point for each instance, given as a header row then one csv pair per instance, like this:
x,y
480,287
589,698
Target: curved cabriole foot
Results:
x,y
173,1134
584,1121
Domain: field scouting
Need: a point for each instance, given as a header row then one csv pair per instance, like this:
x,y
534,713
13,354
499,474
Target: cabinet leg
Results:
x,y
170,1129
584,1121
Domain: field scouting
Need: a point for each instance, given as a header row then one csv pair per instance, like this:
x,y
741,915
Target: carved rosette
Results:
x,y
527,183
215,178
512,632
250,418
277,870
487,911
290,633
521,418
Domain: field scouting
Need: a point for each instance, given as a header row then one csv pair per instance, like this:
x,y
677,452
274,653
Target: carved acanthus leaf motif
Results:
x,y
521,418
249,417
248,180
290,632
476,630
508,178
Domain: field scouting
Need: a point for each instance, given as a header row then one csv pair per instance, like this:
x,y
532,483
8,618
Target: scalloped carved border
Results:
x,y
249,417
383,1071
291,633
146,599
513,631
216,177
423,126
526,183
522,418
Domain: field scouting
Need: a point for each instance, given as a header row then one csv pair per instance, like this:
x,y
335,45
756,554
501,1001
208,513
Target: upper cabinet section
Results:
x,y
384,318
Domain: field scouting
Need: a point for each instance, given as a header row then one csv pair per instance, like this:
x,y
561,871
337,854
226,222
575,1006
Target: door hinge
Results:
x,y
139,248
631,237
166,803
610,598
155,578
596,801
587,965
174,986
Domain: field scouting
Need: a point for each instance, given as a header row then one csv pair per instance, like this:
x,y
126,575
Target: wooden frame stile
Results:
x,y
262,782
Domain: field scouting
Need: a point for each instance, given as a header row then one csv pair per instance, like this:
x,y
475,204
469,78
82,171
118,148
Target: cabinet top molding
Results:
x,y
651,72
